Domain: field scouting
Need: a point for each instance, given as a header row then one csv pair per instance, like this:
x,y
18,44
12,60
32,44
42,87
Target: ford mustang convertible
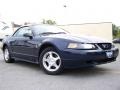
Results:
x,y
54,49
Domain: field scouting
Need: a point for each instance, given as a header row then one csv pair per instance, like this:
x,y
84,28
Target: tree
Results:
x,y
116,31
50,22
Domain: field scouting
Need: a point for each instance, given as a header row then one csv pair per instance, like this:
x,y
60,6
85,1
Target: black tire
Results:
x,y
59,70
9,60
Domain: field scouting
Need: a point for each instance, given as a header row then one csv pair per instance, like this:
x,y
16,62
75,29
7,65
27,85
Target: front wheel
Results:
x,y
51,61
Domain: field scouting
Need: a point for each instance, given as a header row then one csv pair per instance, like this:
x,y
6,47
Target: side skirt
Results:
x,y
20,59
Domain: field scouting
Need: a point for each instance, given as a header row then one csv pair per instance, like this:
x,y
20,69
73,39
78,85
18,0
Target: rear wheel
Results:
x,y
51,61
7,56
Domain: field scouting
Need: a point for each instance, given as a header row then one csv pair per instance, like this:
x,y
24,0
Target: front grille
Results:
x,y
105,46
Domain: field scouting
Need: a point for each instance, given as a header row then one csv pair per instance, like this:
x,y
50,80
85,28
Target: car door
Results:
x,y
30,46
23,46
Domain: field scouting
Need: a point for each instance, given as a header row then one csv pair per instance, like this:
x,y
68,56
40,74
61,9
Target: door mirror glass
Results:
x,y
28,35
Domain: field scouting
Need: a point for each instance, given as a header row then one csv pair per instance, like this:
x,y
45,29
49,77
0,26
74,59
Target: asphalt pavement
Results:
x,y
26,76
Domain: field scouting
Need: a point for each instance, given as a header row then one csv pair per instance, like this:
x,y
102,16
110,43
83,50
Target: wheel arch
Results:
x,y
3,47
46,45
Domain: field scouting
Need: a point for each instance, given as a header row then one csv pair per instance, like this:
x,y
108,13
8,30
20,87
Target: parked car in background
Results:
x,y
5,30
117,40
54,49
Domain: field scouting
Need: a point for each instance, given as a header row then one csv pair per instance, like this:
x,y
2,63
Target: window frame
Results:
x,y
17,31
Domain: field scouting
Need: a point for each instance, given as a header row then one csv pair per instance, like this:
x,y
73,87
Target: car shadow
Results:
x,y
84,72
27,65
87,71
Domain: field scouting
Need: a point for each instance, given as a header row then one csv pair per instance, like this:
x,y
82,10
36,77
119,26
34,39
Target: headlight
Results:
x,y
81,46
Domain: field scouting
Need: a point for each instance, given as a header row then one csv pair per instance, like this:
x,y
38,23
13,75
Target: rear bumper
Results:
x,y
83,58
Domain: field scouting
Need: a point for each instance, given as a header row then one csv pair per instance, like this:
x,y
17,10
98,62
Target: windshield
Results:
x,y
38,30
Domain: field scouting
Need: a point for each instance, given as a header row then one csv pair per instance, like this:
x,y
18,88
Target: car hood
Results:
x,y
82,39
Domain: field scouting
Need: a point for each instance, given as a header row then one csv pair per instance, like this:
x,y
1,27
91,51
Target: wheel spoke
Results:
x,y
56,58
46,60
49,66
50,55
55,65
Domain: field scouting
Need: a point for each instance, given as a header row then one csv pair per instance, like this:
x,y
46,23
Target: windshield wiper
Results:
x,y
61,33
47,33
52,33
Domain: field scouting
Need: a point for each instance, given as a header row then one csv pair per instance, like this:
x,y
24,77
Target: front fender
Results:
x,y
60,44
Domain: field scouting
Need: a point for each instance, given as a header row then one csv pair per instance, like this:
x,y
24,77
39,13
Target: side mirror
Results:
x,y
28,35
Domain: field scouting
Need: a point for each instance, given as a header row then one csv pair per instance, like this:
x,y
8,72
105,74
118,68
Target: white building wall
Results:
x,y
102,30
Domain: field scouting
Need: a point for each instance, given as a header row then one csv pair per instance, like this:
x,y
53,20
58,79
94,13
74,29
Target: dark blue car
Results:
x,y
55,49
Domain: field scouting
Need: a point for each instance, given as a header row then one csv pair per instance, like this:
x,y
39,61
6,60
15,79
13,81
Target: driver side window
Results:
x,y
22,31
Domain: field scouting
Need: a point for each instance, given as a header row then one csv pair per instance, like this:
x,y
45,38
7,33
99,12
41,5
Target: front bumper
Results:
x,y
81,58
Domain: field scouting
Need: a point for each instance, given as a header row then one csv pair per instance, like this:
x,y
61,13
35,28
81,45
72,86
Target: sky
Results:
x,y
75,12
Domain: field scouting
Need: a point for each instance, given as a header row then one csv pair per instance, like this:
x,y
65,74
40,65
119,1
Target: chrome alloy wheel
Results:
x,y
6,54
51,61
